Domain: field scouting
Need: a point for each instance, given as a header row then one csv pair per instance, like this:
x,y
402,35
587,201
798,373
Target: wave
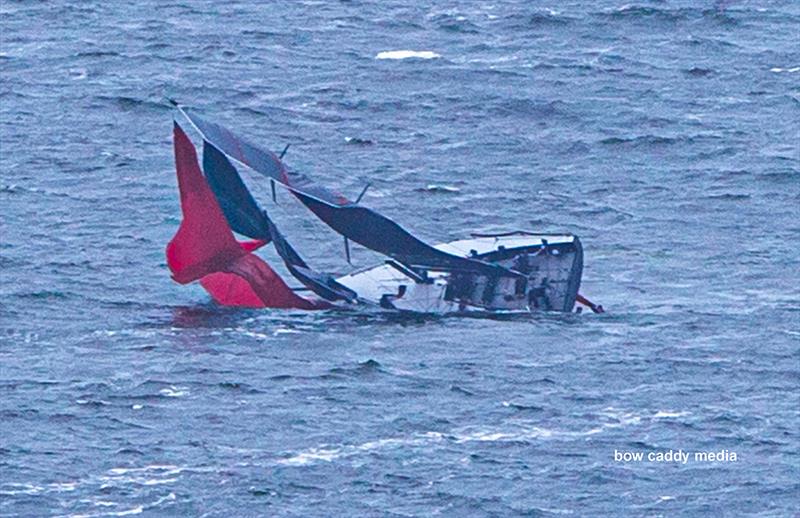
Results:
x,y
647,141
356,141
523,407
235,386
778,70
364,368
453,22
647,13
728,197
329,453
97,54
547,18
530,107
699,72
668,414
407,54
513,433
461,390
127,103
643,11
437,188
47,295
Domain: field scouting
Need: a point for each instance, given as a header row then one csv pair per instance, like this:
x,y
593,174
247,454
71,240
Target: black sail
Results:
x,y
240,208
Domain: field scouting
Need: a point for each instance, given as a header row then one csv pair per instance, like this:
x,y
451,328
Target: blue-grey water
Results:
x,y
666,134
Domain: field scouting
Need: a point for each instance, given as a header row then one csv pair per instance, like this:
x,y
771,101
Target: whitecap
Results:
x,y
520,435
440,188
63,486
406,54
778,70
172,391
663,414
168,468
139,509
623,418
311,455
486,436
13,488
77,74
253,334
330,453
285,331
358,141
327,453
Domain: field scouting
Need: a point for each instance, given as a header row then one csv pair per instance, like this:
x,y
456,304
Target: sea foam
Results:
x,y
406,54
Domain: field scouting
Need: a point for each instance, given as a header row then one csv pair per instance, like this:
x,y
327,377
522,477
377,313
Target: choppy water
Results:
x,y
666,134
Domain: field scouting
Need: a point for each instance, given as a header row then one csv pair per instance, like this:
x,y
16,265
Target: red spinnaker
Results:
x,y
205,249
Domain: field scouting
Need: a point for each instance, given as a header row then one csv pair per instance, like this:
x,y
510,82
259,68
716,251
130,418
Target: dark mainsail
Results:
x,y
240,208
360,224
376,232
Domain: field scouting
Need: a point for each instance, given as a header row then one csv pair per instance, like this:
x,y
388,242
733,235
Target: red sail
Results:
x,y
204,247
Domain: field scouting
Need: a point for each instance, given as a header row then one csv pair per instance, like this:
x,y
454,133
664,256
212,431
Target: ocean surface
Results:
x,y
666,134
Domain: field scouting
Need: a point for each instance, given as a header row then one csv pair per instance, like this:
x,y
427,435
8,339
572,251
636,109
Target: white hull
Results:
x,y
552,263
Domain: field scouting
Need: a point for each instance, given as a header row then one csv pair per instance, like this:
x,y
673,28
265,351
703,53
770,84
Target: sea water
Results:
x,y
664,133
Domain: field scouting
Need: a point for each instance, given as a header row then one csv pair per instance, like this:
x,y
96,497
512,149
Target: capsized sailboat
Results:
x,y
506,272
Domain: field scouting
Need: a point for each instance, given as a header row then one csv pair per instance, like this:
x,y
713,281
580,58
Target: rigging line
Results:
x,y
363,192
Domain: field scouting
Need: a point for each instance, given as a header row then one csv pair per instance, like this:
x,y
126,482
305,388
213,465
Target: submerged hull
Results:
x,y
552,266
